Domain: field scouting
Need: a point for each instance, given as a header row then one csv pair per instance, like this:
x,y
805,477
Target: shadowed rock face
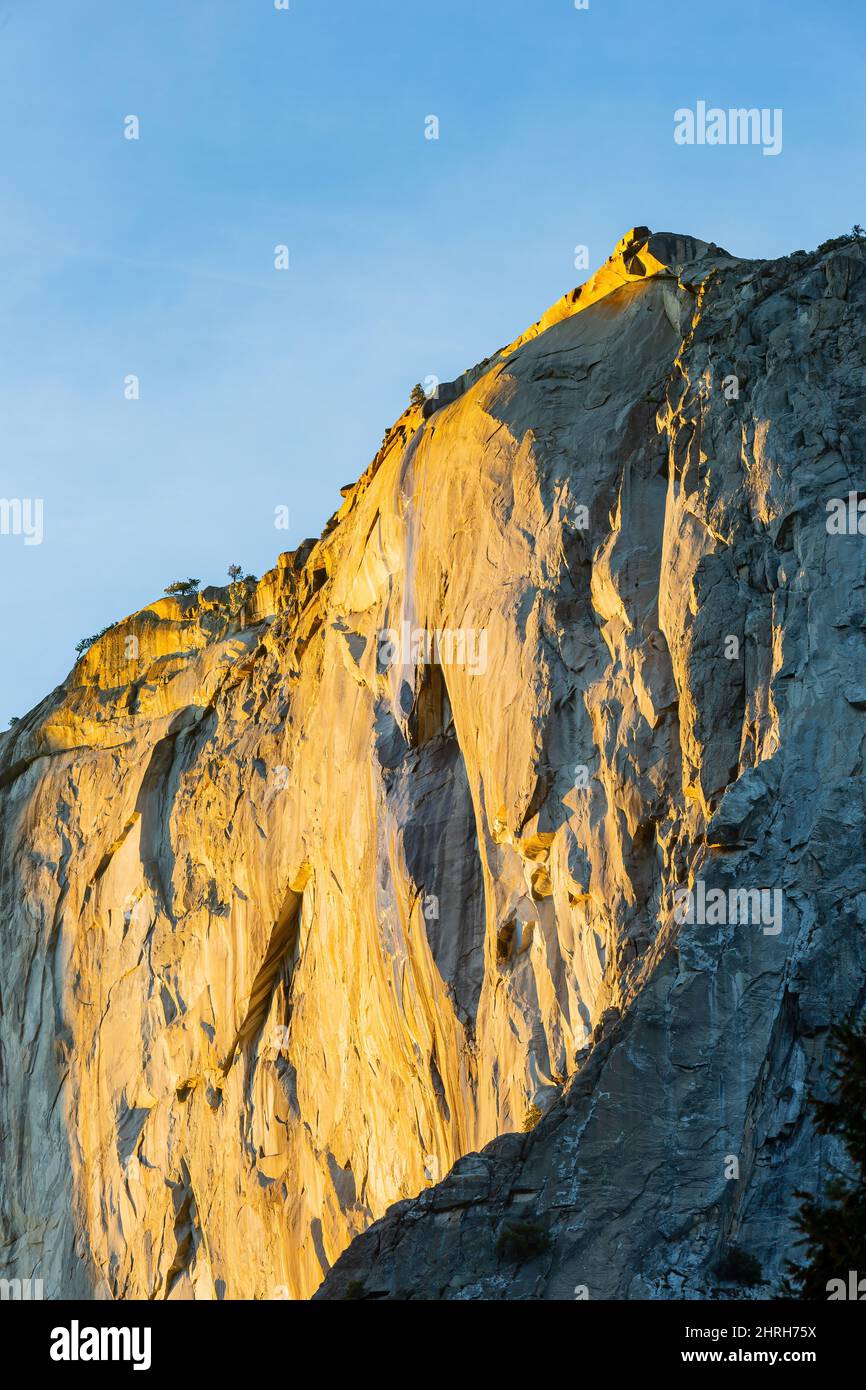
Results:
x,y
315,887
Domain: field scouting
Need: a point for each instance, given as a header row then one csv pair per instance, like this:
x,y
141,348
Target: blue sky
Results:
x,y
408,257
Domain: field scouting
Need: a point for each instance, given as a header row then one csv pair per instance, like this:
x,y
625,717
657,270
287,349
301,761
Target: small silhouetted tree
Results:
x,y
833,1225
417,395
235,572
87,642
181,587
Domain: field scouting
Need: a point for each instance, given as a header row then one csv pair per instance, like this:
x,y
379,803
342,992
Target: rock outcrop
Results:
x,y
317,890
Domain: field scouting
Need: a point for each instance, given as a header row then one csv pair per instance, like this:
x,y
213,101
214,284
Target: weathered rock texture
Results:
x,y
293,919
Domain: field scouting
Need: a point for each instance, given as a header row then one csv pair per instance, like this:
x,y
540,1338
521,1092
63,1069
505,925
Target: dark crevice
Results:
x,y
431,709
278,964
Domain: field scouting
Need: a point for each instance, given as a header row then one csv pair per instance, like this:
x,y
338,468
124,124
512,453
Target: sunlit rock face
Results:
x,y
313,887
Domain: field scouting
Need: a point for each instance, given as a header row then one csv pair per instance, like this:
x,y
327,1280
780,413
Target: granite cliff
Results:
x,y
527,798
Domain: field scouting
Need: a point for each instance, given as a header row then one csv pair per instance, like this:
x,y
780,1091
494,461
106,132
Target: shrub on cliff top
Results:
x,y
86,642
182,587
